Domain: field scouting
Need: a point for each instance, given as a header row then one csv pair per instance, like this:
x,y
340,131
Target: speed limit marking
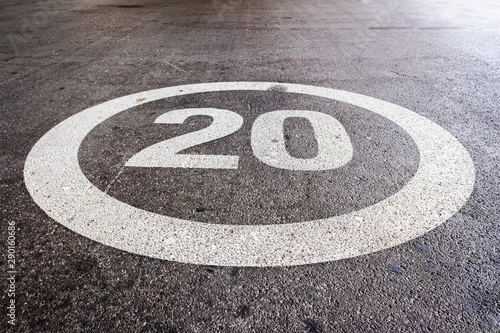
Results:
x,y
441,185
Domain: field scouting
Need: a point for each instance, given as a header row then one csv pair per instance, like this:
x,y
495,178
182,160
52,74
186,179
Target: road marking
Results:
x,y
268,141
441,185
164,154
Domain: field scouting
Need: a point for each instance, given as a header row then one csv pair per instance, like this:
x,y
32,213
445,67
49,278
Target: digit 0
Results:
x,y
268,141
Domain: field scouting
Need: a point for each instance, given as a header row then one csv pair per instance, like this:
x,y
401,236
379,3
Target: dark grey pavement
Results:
x,y
440,59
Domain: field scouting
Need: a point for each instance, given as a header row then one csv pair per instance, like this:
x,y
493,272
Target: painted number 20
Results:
x,y
267,140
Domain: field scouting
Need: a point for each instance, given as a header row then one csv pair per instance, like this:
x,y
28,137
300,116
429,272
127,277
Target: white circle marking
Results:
x,y
441,185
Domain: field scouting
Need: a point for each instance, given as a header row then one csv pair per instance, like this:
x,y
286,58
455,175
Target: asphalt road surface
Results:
x,y
250,166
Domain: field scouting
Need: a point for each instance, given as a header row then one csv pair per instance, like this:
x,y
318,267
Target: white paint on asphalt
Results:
x,y
441,185
164,154
268,141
